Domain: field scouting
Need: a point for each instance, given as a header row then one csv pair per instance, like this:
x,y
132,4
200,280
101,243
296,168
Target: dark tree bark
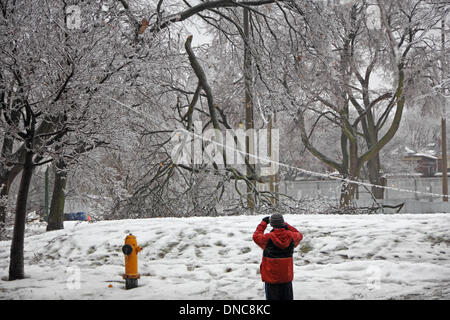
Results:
x,y
16,265
10,171
374,167
56,216
7,172
248,101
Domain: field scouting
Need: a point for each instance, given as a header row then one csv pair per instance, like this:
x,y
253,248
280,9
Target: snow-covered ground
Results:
x,y
340,257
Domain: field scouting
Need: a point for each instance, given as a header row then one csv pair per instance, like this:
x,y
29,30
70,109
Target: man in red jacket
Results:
x,y
277,266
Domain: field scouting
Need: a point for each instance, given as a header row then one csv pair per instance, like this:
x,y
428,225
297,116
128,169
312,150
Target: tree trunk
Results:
x,y
56,216
348,189
444,118
273,179
3,204
444,160
249,125
5,179
16,265
375,178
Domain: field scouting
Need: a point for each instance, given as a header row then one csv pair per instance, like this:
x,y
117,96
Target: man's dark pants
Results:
x,y
281,291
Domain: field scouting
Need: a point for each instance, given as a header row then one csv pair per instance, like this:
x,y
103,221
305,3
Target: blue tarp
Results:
x,y
76,216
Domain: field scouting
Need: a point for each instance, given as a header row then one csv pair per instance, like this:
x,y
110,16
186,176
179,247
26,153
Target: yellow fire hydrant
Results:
x,y
130,250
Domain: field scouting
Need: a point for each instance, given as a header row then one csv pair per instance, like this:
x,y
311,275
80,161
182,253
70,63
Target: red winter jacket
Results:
x,y
277,265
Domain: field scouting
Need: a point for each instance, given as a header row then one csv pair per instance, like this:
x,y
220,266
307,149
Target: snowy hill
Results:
x,y
341,257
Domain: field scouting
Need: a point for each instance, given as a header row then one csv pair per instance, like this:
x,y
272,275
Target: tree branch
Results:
x,y
187,13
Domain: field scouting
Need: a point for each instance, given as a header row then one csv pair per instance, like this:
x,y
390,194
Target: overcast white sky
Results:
x,y
195,26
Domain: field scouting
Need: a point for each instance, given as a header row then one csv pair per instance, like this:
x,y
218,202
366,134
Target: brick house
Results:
x,y
424,163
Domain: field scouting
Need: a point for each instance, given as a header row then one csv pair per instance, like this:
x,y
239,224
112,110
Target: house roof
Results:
x,y
413,155
425,155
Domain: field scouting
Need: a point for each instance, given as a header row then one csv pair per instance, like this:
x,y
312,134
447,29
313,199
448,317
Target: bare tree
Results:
x,y
51,77
332,70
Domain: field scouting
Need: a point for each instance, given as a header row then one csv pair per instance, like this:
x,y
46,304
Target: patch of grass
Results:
x,y
323,234
219,244
245,250
183,247
190,268
305,248
224,251
145,244
201,245
438,240
198,252
37,257
104,258
162,253
201,231
50,257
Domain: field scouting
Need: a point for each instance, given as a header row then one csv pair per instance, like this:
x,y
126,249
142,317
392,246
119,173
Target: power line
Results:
x,y
280,164
312,173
